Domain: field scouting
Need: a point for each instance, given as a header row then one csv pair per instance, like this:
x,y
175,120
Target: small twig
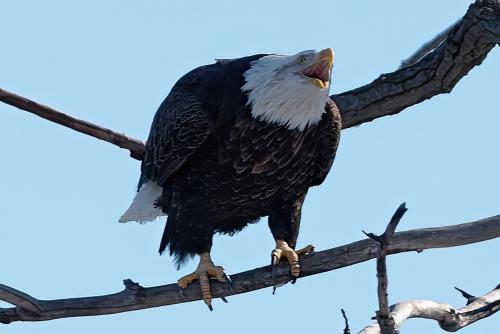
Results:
x,y
131,285
393,223
430,46
134,297
346,329
470,298
383,317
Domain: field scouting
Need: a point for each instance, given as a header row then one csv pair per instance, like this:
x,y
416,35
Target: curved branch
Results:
x,y
135,297
466,45
449,319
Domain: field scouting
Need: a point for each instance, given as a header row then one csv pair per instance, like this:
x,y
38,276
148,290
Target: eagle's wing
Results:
x,y
179,128
330,135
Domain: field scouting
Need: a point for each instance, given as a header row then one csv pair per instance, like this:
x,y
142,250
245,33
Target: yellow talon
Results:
x,y
205,270
283,250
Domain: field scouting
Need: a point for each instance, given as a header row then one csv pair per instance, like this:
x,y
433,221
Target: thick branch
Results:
x,y
135,297
466,45
449,319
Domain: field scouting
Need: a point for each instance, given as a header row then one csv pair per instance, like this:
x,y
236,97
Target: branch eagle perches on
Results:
x,y
135,297
465,46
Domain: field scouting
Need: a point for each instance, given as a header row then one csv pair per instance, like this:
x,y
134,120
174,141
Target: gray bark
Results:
x,y
466,45
135,297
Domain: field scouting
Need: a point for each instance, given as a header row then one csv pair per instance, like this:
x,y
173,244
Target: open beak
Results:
x,y
321,70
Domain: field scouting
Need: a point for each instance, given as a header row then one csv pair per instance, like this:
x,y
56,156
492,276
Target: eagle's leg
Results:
x,y
284,224
206,269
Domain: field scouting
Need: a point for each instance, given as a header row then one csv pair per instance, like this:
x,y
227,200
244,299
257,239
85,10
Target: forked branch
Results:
x,y
135,297
383,241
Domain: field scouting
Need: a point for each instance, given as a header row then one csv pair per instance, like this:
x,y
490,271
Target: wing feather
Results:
x,y
330,136
179,129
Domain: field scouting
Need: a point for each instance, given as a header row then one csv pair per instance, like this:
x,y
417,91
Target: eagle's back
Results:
x,y
204,99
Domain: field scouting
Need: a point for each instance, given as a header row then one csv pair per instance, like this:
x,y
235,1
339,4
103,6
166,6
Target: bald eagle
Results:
x,y
235,141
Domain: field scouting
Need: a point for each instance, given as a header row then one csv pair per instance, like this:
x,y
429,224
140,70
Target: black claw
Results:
x,y
181,291
294,280
229,282
228,279
272,268
224,300
274,290
210,307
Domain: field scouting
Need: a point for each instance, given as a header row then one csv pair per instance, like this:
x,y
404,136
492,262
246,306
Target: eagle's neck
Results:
x,y
278,97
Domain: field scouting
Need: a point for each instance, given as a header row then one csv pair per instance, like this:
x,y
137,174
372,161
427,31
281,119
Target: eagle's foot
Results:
x,y
205,270
283,250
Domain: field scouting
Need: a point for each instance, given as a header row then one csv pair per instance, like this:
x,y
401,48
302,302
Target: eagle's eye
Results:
x,y
301,59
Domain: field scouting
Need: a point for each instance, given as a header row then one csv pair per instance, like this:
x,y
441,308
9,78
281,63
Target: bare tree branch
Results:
x,y
135,297
135,146
465,46
470,298
384,319
449,319
433,70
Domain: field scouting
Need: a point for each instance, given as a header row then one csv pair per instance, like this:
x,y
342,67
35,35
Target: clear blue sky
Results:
x,y
113,62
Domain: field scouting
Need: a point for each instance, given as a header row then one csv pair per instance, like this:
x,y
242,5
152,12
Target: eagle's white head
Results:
x,y
289,90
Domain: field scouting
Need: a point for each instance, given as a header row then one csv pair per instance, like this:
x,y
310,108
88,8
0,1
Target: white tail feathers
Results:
x,y
142,209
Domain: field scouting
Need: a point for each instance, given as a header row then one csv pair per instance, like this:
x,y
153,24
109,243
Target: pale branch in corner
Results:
x,y
461,47
135,297
449,318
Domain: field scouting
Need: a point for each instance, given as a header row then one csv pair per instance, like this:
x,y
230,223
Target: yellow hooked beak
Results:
x,y
320,72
